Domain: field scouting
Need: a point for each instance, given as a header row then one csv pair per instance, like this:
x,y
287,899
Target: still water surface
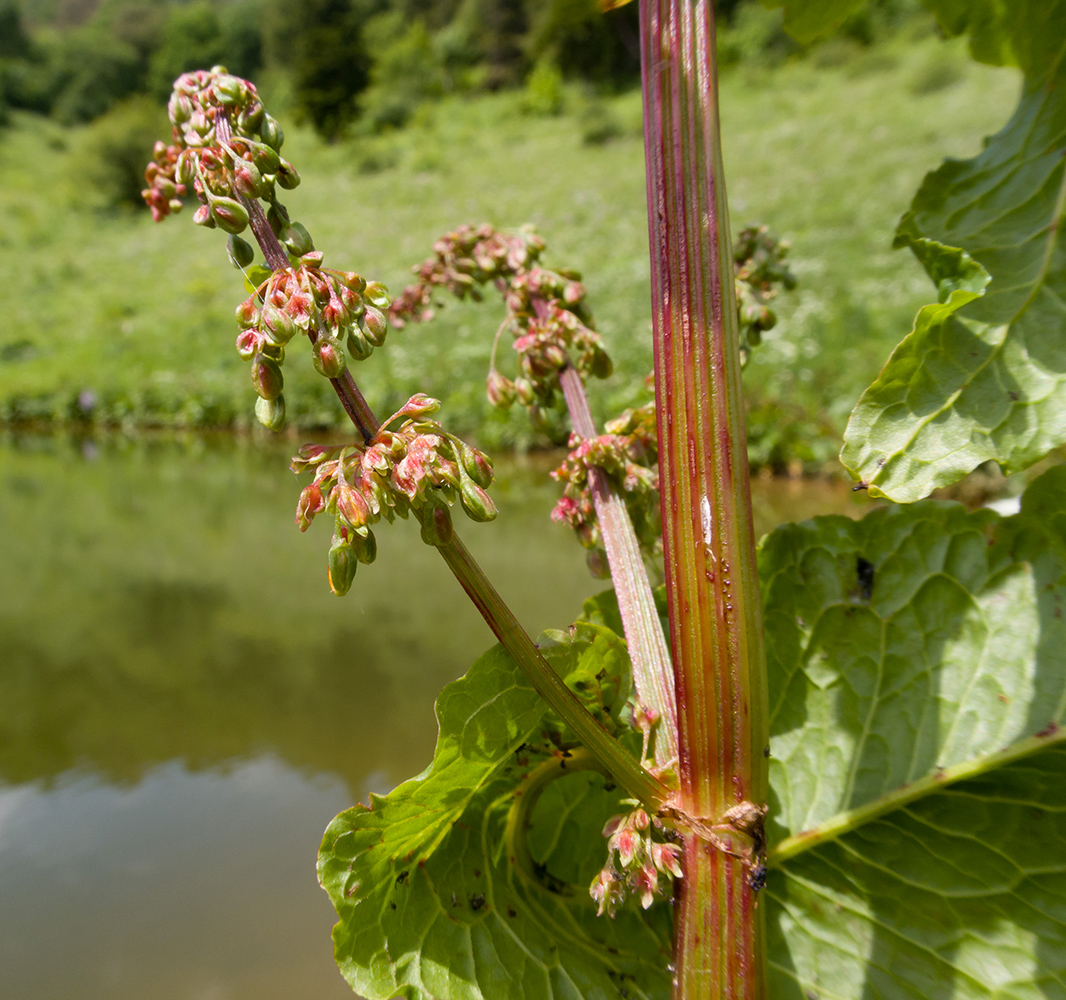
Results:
x,y
184,706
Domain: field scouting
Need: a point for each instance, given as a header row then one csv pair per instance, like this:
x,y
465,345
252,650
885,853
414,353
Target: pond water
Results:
x,y
184,706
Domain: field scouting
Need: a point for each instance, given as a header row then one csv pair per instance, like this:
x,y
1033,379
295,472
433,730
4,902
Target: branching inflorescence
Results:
x,y
225,151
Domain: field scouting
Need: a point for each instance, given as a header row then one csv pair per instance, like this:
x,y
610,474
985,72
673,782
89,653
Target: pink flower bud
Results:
x,y
249,343
352,505
646,884
328,358
311,503
666,857
500,389
267,377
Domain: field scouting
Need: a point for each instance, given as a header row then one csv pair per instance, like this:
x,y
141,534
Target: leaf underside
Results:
x,y
430,905
982,376
919,639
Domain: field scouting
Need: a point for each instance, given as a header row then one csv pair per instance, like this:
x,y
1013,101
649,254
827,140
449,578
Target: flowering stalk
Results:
x,y
652,673
715,616
557,349
225,152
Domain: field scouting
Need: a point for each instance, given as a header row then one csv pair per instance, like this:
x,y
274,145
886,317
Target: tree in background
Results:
x,y
321,43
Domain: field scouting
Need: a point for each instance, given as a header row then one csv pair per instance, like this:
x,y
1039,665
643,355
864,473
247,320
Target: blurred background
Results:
x,y
183,705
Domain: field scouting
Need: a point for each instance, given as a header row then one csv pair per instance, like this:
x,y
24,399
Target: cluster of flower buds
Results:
x,y
759,267
463,262
628,454
416,466
550,322
225,149
338,310
546,311
635,860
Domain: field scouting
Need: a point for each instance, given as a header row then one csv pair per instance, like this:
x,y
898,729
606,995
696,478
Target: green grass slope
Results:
x,y
107,317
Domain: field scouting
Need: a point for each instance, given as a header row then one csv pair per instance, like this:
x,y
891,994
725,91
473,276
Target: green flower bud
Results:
x,y
265,158
266,377
278,325
377,294
270,132
600,366
241,255
374,324
436,525
230,89
287,175
185,170
250,118
358,346
524,391
474,464
230,215
476,502
273,351
328,358
342,566
366,547
277,217
296,239
271,412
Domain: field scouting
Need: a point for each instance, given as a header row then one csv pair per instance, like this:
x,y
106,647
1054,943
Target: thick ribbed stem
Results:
x,y
653,676
715,616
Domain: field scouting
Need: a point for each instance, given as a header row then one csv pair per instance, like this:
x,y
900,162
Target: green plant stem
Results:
x,y
653,675
611,756
715,615
614,759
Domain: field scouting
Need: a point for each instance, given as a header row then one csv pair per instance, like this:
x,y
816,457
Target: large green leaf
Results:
x,y
917,666
430,905
985,380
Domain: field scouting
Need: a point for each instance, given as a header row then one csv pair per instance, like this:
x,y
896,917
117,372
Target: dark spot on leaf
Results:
x,y
859,487
392,904
613,951
864,570
766,751
401,878
512,912
477,901
477,873
1050,729
603,673
1003,698
1014,396
623,994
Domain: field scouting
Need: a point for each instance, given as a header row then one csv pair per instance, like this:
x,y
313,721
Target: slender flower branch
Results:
x,y
652,673
715,617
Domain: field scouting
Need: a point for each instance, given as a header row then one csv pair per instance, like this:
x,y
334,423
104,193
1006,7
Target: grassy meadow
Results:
x,y
109,318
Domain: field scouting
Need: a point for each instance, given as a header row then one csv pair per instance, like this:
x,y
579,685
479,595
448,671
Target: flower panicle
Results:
x,y
411,464
628,454
220,165
547,313
638,853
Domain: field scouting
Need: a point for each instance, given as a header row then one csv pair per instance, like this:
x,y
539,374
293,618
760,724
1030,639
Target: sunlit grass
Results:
x,y
136,319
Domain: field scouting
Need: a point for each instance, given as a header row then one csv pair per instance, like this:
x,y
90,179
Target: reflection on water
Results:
x,y
184,705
